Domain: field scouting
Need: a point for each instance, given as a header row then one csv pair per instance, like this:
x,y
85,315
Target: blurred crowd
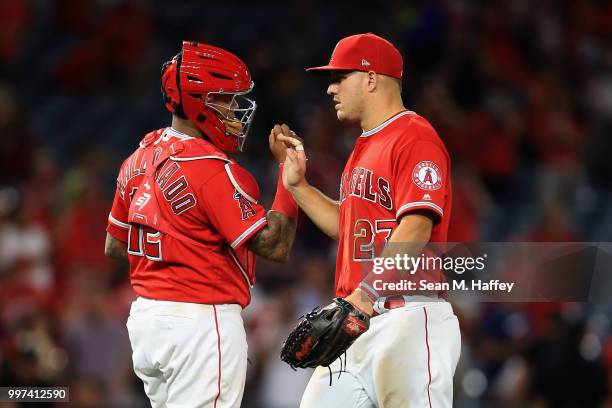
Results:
x,y
520,91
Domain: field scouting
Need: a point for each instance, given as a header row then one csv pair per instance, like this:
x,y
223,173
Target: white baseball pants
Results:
x,y
188,354
406,359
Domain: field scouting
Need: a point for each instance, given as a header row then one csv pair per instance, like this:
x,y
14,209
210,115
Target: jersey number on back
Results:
x,y
144,241
364,237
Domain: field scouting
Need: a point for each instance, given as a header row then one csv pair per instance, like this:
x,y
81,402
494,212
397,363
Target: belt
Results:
x,y
384,304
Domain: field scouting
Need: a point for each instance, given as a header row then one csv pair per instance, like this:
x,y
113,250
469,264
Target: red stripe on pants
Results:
x,y
428,356
219,349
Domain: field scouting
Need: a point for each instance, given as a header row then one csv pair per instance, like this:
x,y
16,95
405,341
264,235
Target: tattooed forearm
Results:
x,y
275,240
113,248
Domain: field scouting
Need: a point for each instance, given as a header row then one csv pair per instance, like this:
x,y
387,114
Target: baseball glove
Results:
x,y
323,335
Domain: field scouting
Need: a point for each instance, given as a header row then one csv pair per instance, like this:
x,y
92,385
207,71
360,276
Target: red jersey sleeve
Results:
x,y
421,177
231,208
117,224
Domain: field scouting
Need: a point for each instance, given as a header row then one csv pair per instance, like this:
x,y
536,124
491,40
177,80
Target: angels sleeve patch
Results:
x,y
246,208
427,175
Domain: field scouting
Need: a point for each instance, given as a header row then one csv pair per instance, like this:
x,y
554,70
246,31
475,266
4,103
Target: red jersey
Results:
x,y
397,167
185,210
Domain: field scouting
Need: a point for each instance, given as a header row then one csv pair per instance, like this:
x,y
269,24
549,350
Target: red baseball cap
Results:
x,y
364,52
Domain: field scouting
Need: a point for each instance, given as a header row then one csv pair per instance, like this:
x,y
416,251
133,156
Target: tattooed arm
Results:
x,y
274,241
113,248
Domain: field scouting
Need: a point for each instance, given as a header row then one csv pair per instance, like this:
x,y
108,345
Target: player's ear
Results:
x,y
372,81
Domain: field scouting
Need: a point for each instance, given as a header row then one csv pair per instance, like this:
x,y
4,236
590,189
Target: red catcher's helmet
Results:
x,y
194,81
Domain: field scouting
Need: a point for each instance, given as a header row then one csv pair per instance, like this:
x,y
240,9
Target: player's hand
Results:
x,y
294,173
278,147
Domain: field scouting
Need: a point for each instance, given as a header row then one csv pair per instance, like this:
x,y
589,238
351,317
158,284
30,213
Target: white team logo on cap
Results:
x,y
427,175
365,63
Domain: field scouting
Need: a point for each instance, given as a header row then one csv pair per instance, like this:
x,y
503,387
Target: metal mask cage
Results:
x,y
240,109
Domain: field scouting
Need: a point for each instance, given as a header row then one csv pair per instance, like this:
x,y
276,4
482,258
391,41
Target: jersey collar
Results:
x,y
183,136
385,123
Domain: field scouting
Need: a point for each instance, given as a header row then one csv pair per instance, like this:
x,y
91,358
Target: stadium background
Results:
x,y
521,93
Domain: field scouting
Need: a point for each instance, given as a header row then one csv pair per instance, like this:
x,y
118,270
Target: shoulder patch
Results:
x,y
243,181
427,176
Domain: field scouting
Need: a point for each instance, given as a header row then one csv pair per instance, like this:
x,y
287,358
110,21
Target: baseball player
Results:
x,y
395,188
187,218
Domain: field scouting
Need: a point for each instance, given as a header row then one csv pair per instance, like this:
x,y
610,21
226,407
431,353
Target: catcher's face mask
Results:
x,y
235,110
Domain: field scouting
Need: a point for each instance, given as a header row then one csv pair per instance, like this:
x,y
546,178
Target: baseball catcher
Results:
x,y
188,219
